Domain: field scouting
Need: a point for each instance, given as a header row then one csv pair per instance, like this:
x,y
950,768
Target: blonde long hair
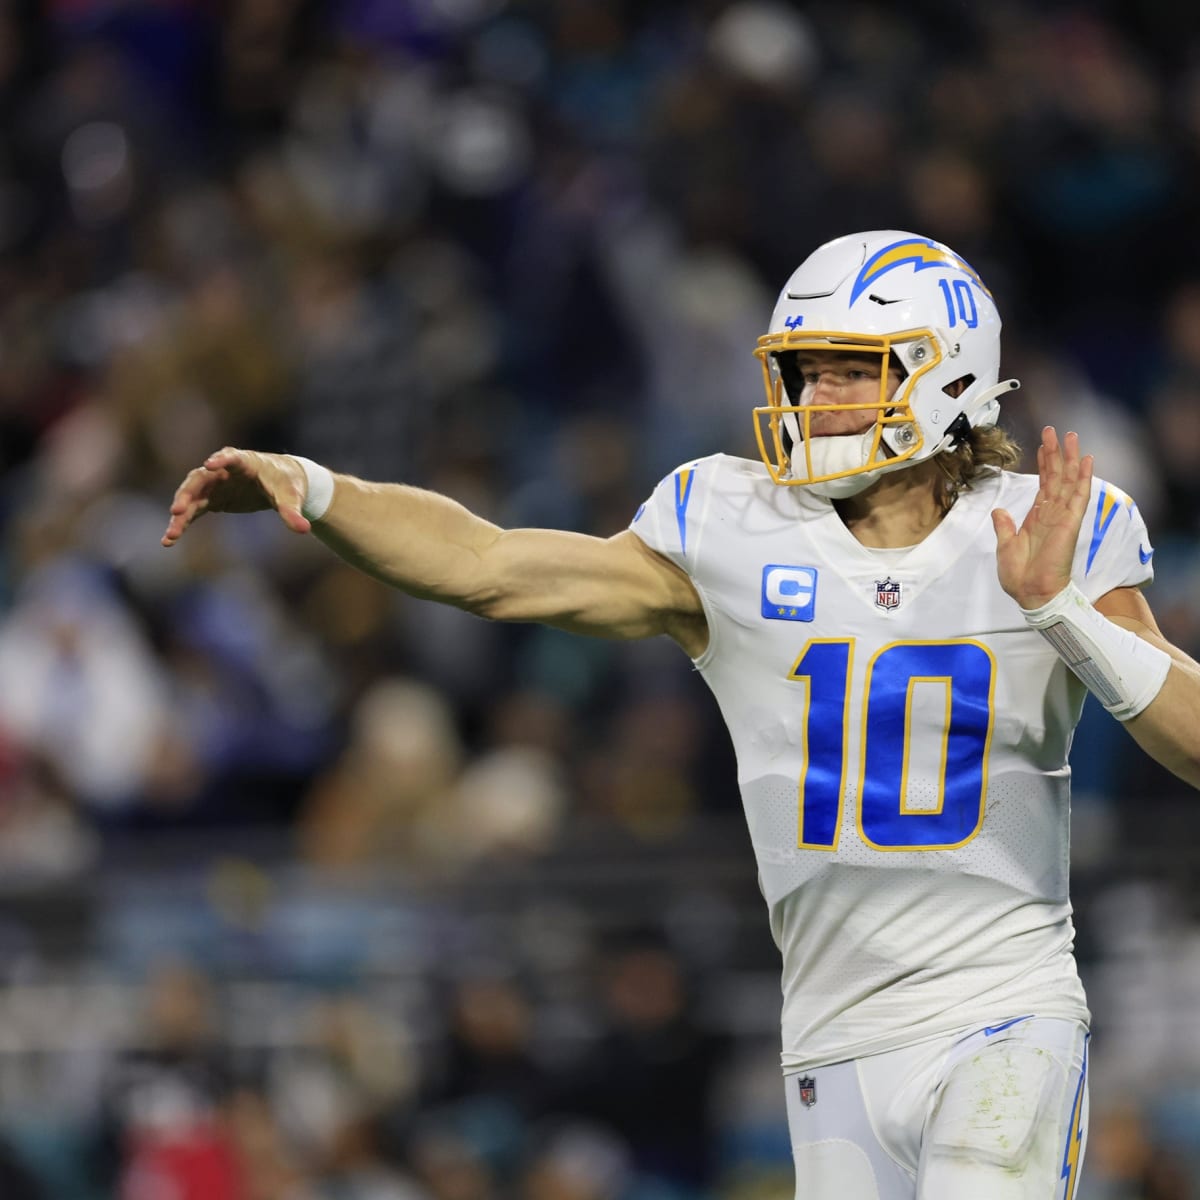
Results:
x,y
980,453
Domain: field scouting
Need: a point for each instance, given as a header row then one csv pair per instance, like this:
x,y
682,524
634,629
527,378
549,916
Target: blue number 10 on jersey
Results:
x,y
888,818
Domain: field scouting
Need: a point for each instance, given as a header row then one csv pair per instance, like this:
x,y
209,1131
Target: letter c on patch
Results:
x,y
788,593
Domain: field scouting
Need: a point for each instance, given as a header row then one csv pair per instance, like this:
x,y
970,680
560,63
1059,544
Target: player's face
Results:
x,y
833,377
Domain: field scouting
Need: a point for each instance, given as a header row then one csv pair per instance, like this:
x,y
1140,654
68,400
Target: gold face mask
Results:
x,y
784,427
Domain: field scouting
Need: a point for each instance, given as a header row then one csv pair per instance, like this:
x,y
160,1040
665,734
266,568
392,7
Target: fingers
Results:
x,y
1086,466
1070,456
192,497
1050,463
294,519
176,526
190,501
230,456
1063,472
1004,525
182,515
243,481
1076,484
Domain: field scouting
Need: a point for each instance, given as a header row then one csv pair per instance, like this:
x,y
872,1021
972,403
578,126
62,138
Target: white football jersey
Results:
x,y
901,739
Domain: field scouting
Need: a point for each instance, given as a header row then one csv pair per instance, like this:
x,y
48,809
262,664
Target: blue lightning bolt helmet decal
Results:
x,y
917,252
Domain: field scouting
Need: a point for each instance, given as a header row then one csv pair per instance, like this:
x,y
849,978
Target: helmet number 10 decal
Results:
x,y
927,724
960,302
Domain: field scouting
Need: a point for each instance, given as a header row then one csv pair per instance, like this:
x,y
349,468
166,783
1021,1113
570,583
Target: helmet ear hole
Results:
x,y
956,387
960,428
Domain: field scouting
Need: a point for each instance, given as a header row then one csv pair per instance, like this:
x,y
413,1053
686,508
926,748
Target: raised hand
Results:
x,y
239,481
1034,562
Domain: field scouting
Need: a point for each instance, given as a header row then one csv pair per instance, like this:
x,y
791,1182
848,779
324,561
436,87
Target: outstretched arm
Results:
x,y
1149,684
432,547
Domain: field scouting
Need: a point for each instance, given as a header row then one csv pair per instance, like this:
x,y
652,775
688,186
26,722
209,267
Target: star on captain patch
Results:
x,y
887,593
808,1091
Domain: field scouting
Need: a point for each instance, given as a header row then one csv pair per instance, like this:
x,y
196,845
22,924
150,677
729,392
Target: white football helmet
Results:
x,y
920,307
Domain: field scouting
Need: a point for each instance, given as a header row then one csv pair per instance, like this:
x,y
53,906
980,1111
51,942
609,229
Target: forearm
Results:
x,y
432,547
1168,729
1116,649
423,543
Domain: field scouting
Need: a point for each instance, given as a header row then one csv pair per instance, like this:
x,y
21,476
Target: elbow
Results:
x,y
480,597
508,604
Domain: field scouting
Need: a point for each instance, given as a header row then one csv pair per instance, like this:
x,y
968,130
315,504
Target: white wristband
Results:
x,y
318,494
1123,671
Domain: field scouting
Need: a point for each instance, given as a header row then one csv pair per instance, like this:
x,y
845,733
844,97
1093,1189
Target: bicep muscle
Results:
x,y
607,587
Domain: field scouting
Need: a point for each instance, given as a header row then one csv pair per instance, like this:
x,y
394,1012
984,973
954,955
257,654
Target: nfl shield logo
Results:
x,y
887,593
808,1091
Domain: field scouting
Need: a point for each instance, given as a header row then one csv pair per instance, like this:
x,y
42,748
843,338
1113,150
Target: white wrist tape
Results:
x,y
1123,671
318,495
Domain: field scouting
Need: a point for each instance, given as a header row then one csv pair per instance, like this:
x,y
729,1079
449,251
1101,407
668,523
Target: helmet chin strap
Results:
x,y
834,454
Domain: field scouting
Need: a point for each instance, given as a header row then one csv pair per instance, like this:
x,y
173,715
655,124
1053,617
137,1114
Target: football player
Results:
x,y
900,633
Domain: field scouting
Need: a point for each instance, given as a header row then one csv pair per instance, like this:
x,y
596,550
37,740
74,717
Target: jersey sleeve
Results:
x,y
1114,547
669,521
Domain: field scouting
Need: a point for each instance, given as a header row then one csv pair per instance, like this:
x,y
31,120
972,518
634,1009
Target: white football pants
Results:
x,y
997,1114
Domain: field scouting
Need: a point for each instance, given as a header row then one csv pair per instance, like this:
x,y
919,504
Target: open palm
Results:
x,y
1034,562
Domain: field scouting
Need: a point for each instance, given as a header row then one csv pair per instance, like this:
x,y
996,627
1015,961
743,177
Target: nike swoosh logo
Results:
x,y
988,1030
1145,555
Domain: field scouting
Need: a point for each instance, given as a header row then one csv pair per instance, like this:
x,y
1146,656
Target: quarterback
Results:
x,y
900,633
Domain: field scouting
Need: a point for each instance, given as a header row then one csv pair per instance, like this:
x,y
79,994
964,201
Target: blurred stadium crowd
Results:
x,y
312,892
